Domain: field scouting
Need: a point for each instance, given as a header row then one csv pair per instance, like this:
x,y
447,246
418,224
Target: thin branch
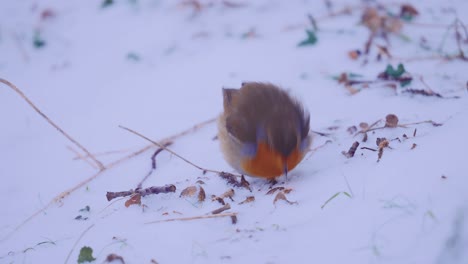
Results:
x,y
143,192
169,150
76,242
18,91
153,164
111,165
193,218
79,156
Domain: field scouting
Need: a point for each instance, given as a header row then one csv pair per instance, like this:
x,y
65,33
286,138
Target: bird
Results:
x,y
263,131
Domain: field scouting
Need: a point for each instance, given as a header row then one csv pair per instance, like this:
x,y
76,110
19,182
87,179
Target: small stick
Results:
x,y
111,165
368,148
221,209
79,156
20,93
143,192
153,163
168,150
193,218
76,242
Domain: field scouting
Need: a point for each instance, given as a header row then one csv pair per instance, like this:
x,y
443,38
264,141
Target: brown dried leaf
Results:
x,y
228,194
114,257
391,24
351,89
189,191
382,143
413,146
354,54
408,10
384,51
273,190
351,150
371,19
219,199
249,199
282,196
343,78
221,209
135,199
244,183
234,219
288,190
391,120
201,195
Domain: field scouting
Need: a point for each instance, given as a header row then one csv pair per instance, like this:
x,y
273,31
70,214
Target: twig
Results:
x,y
153,163
79,156
221,209
64,194
143,192
76,242
18,91
168,150
105,153
193,218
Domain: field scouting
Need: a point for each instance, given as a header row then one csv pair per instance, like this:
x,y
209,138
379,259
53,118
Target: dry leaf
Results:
x,y
408,10
273,190
219,199
384,51
413,146
354,54
135,199
288,190
391,120
249,199
351,150
113,257
351,89
244,183
382,143
201,195
371,19
282,196
228,194
189,191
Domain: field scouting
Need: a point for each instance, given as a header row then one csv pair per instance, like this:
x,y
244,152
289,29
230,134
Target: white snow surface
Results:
x,y
158,67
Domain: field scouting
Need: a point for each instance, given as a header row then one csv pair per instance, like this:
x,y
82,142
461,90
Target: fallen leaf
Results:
x,y
201,195
354,54
189,191
273,190
282,196
351,151
114,257
413,146
391,120
228,194
249,199
135,199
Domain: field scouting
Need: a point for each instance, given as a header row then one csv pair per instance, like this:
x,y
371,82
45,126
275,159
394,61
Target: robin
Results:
x,y
263,132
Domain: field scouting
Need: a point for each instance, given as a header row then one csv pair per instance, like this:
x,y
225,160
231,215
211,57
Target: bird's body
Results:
x,y
263,132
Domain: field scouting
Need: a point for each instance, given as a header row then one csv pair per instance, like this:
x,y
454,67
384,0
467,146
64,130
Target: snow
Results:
x,y
410,207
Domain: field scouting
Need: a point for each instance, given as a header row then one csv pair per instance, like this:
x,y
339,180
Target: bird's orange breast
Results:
x,y
269,163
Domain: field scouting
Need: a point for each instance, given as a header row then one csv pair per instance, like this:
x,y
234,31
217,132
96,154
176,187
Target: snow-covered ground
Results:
x,y
158,67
